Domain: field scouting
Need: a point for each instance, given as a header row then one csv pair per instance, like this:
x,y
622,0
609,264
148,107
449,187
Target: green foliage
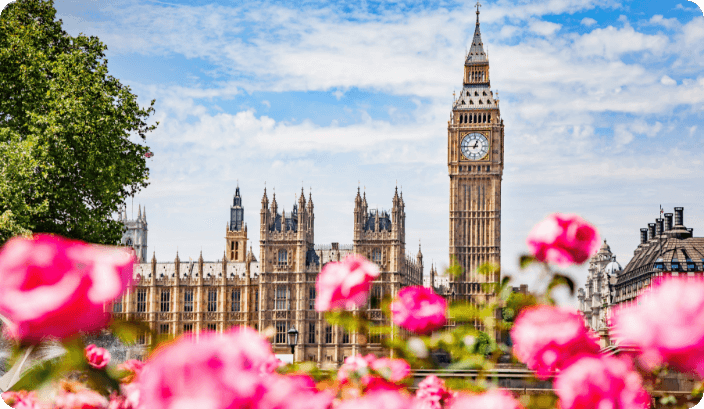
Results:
x,y
455,270
67,161
526,260
515,303
128,331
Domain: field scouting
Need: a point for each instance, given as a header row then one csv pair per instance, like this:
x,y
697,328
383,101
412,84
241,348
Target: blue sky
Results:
x,y
602,102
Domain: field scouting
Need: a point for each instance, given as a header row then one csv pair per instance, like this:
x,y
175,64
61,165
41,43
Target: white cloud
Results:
x,y
587,21
665,80
670,23
544,28
611,42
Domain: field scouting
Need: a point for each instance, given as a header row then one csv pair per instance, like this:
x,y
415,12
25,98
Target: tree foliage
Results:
x,y
67,161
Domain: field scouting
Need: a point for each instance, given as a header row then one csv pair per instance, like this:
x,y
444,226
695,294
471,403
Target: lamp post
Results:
x,y
292,338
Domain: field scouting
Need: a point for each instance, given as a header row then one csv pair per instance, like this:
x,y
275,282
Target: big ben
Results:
x,y
475,152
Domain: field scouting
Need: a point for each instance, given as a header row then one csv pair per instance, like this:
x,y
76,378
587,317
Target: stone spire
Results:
x,y
476,52
139,212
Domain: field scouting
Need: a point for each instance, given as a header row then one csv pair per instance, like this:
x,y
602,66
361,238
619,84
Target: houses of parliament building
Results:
x,y
275,291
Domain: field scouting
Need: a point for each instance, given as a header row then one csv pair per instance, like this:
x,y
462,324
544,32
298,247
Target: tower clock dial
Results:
x,y
474,146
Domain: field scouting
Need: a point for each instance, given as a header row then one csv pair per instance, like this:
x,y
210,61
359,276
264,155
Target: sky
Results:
x,y
602,101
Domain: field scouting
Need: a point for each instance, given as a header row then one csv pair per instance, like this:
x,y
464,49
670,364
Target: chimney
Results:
x,y
643,236
679,216
668,221
691,232
651,231
658,226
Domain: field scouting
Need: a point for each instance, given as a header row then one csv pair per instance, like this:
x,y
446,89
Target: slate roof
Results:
x,y
476,97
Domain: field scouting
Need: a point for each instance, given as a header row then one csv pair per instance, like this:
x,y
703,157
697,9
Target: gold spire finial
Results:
x,y
478,5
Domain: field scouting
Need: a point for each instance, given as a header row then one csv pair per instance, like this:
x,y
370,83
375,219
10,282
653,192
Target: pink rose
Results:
x,y
97,357
601,382
563,239
133,366
355,367
547,338
345,284
492,399
432,393
219,371
667,325
51,286
393,370
419,310
378,399
83,399
293,392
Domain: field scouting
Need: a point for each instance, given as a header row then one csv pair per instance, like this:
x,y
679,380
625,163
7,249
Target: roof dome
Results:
x,y
613,268
605,248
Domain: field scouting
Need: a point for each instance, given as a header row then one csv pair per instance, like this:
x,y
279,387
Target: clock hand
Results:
x,y
475,144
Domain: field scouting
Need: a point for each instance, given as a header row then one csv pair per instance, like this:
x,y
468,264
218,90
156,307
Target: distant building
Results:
x,y
667,248
135,233
276,292
596,298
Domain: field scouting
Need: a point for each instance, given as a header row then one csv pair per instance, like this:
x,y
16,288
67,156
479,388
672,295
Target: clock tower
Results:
x,y
475,154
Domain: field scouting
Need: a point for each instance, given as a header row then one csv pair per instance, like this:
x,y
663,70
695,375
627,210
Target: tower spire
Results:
x,y
476,52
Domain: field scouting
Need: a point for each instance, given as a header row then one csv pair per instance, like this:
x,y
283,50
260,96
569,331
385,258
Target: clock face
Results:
x,y
474,146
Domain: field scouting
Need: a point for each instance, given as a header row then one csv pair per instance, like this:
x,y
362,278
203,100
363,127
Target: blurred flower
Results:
x,y
417,347
419,309
82,399
563,239
394,370
52,286
134,366
432,394
219,371
492,399
546,338
378,399
667,324
601,382
293,392
148,154
97,357
23,400
345,284
355,367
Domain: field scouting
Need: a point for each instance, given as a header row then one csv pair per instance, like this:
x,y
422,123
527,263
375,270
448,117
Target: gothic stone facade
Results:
x,y
277,292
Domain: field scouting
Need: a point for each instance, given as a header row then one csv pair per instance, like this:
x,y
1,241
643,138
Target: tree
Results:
x,y
67,163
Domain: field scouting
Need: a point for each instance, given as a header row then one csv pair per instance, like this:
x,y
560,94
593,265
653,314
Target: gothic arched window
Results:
x,y
283,256
376,256
129,242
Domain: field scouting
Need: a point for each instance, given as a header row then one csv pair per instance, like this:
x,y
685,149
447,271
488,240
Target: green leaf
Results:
x,y
39,375
560,279
526,260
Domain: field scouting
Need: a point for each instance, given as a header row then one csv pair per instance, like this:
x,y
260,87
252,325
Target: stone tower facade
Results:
x,y
135,233
380,236
475,154
236,231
